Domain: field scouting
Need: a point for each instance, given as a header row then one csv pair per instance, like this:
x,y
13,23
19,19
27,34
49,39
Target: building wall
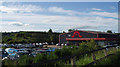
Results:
x,y
108,36
85,34
62,38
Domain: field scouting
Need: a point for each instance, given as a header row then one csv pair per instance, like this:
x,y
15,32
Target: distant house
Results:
x,y
101,38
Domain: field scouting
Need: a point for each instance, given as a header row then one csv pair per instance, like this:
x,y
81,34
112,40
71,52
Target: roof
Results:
x,y
94,32
98,32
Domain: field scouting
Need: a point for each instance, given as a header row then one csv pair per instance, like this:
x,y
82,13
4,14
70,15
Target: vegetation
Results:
x,y
109,31
30,37
99,54
111,60
65,51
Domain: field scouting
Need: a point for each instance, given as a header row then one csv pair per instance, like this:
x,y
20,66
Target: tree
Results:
x,y
51,38
63,31
50,31
109,31
70,30
92,44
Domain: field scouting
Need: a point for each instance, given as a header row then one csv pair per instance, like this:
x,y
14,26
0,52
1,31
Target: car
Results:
x,y
62,44
4,54
12,53
43,50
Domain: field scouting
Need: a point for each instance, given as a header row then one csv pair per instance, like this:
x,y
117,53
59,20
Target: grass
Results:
x,y
99,54
85,60
111,60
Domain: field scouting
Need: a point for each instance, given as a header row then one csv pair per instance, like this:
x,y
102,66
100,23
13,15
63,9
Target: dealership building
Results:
x,y
101,38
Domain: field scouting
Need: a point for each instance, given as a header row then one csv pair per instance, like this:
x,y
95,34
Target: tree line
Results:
x,y
24,37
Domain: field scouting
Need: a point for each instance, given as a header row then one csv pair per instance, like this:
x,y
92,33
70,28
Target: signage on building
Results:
x,y
76,33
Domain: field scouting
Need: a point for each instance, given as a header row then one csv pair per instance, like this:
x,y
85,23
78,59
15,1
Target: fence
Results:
x,y
72,58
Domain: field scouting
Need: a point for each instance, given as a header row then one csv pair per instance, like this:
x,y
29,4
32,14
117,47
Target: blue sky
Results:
x,y
60,0
59,16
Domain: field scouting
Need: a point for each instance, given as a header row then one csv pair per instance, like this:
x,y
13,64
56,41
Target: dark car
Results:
x,y
4,53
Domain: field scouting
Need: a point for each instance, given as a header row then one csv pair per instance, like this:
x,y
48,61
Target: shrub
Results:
x,y
39,58
91,45
25,60
9,63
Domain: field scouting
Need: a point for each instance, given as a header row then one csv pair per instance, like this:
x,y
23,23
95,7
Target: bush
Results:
x,y
9,63
25,60
51,56
39,58
92,45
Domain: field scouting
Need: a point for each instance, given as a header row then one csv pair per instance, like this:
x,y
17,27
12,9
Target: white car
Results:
x,y
62,44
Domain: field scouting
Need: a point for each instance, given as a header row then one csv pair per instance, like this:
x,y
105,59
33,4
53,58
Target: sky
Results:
x,y
60,0
58,16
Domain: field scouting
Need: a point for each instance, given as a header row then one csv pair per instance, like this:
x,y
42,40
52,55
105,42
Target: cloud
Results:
x,y
57,22
20,9
26,24
61,10
105,14
112,7
32,9
70,19
17,24
86,27
96,9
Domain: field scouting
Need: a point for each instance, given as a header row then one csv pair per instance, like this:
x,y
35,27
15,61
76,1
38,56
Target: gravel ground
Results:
x,y
52,46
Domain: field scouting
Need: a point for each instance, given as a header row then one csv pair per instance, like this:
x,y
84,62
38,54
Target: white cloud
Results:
x,y
113,7
20,9
17,24
61,10
58,21
31,9
61,22
26,24
105,14
96,9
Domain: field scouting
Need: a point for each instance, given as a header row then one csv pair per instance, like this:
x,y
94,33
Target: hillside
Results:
x,y
30,37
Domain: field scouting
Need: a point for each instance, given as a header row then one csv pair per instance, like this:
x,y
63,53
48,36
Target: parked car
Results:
x,y
3,54
12,53
43,50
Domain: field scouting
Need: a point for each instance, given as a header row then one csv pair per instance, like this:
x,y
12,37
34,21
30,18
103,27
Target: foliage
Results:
x,y
109,31
63,52
39,58
92,44
25,60
8,62
50,31
51,56
30,37
111,60
3,47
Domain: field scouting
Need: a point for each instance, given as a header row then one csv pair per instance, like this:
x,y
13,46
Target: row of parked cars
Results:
x,y
21,45
12,53
27,45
